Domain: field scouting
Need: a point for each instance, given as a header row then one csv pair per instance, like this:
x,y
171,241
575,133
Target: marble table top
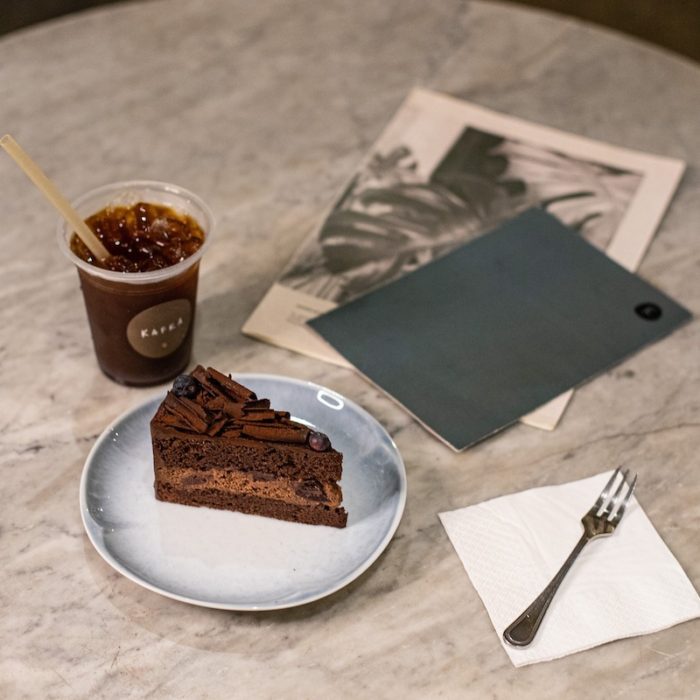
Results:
x,y
264,109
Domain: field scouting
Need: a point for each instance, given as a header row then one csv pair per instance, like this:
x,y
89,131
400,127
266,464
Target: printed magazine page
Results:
x,y
443,172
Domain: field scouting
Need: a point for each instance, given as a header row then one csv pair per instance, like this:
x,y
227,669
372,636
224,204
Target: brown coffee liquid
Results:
x,y
142,333
141,237
112,306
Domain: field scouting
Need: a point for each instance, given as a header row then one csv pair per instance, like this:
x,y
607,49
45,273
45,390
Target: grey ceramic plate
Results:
x,y
233,561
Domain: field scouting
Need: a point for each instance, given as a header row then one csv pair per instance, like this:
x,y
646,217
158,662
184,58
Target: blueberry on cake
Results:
x,y
216,444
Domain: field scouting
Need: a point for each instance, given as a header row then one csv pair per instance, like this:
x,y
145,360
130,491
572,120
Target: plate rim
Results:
x,y
344,581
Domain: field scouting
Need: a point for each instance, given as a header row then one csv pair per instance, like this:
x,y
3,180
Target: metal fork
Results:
x,y
599,521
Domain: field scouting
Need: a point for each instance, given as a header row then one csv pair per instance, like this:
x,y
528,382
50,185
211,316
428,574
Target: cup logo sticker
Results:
x,y
160,330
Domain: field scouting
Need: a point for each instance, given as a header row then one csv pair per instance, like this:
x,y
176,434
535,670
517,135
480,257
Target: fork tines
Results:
x,y
613,508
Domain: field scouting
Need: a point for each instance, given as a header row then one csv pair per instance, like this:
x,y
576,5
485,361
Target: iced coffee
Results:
x,y
140,300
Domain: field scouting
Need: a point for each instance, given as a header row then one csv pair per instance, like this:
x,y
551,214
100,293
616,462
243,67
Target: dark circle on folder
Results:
x,y
648,311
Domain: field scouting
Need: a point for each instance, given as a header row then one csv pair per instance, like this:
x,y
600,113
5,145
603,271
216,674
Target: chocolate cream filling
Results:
x,y
303,492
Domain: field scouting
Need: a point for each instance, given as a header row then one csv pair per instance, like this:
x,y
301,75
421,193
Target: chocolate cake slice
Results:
x,y
216,444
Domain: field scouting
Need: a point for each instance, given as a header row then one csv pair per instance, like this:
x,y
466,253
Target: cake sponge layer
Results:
x,y
201,451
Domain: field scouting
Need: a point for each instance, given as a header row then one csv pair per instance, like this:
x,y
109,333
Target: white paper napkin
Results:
x,y
620,586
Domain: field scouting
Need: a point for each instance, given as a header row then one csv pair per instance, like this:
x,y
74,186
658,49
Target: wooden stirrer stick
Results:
x,y
50,191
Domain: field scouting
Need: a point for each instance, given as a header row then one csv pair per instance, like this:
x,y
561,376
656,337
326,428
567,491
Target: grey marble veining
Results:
x,y
264,109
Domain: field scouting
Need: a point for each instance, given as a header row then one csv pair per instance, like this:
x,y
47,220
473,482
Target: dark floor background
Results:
x,y
674,24
15,14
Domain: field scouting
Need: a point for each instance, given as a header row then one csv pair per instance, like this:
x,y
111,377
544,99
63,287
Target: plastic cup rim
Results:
x,y
138,277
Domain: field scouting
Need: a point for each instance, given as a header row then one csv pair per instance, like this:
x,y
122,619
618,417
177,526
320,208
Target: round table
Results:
x,y
264,109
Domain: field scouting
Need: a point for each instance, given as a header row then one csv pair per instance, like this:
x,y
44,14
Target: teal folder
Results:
x,y
473,341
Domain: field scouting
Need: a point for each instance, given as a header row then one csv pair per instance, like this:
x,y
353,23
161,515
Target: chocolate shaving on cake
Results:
x,y
233,389
215,404
231,432
257,414
192,406
217,425
200,374
275,433
189,415
225,405
258,403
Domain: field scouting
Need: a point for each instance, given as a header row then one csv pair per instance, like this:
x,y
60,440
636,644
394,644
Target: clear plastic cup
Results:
x,y
141,322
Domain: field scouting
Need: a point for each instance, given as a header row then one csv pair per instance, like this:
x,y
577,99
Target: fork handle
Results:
x,y
523,629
